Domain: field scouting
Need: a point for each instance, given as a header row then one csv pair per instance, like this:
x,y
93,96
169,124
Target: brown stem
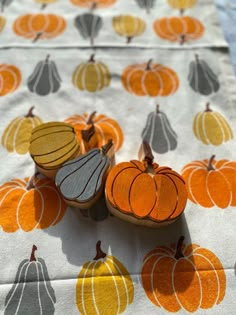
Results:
x,y
43,6
93,6
179,253
105,148
181,11
182,39
210,166
147,152
87,134
32,256
129,39
148,67
30,112
157,109
100,254
30,184
91,59
208,108
91,117
37,37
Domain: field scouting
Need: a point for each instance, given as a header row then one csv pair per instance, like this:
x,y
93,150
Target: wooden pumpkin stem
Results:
x,y
208,108
87,134
37,37
105,148
32,256
179,248
129,39
93,6
30,112
100,254
210,165
91,117
149,64
43,6
157,109
145,153
91,59
182,39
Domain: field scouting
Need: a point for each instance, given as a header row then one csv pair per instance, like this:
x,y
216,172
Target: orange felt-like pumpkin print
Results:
x,y
150,79
93,3
211,183
105,128
10,79
187,277
29,204
179,29
39,26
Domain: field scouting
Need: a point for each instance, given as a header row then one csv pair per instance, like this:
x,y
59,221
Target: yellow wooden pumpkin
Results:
x,y
128,26
104,286
16,136
2,23
91,76
211,127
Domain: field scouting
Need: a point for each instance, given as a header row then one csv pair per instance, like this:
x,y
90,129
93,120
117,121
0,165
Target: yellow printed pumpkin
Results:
x,y
2,23
178,29
10,79
105,128
29,204
187,277
91,76
128,26
93,3
182,4
39,26
104,286
210,127
16,136
211,183
150,79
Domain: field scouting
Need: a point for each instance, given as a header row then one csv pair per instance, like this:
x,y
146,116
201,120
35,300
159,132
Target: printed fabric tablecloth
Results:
x,y
157,71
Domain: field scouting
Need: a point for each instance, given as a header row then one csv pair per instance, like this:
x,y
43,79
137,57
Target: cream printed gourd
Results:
x,y
146,4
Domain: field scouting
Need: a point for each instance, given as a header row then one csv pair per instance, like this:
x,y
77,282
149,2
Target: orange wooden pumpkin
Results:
x,y
211,183
150,79
189,278
105,128
30,204
145,193
93,3
178,29
10,79
39,26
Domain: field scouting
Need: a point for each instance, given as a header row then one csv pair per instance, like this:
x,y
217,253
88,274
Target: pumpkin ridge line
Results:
x,y
177,199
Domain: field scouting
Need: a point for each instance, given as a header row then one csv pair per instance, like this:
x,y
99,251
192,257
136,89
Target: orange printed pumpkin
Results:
x,y
10,79
39,26
178,29
211,183
187,277
93,3
29,204
105,128
145,193
150,79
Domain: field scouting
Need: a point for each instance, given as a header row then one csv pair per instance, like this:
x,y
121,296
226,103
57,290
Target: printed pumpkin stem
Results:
x,y
87,134
181,11
210,165
91,59
37,37
30,113
93,6
32,256
197,58
129,39
44,5
107,147
100,254
149,65
208,109
179,253
158,109
182,39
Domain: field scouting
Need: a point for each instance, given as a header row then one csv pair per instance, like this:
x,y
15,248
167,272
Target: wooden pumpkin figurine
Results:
x,y
91,76
159,133
5,3
10,79
201,78
44,3
104,286
146,4
32,292
128,26
105,128
149,79
16,136
93,4
51,145
39,26
210,127
45,78
29,204
182,5
187,277
81,181
211,183
144,193
2,23
179,29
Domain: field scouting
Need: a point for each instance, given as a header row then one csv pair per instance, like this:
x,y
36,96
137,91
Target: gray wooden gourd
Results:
x,y
31,292
146,4
159,133
81,180
201,78
5,3
89,25
45,78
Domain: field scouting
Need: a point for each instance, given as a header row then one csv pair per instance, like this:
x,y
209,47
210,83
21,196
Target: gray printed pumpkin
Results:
x,y
45,79
159,133
146,4
81,180
31,293
88,25
201,78
5,3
